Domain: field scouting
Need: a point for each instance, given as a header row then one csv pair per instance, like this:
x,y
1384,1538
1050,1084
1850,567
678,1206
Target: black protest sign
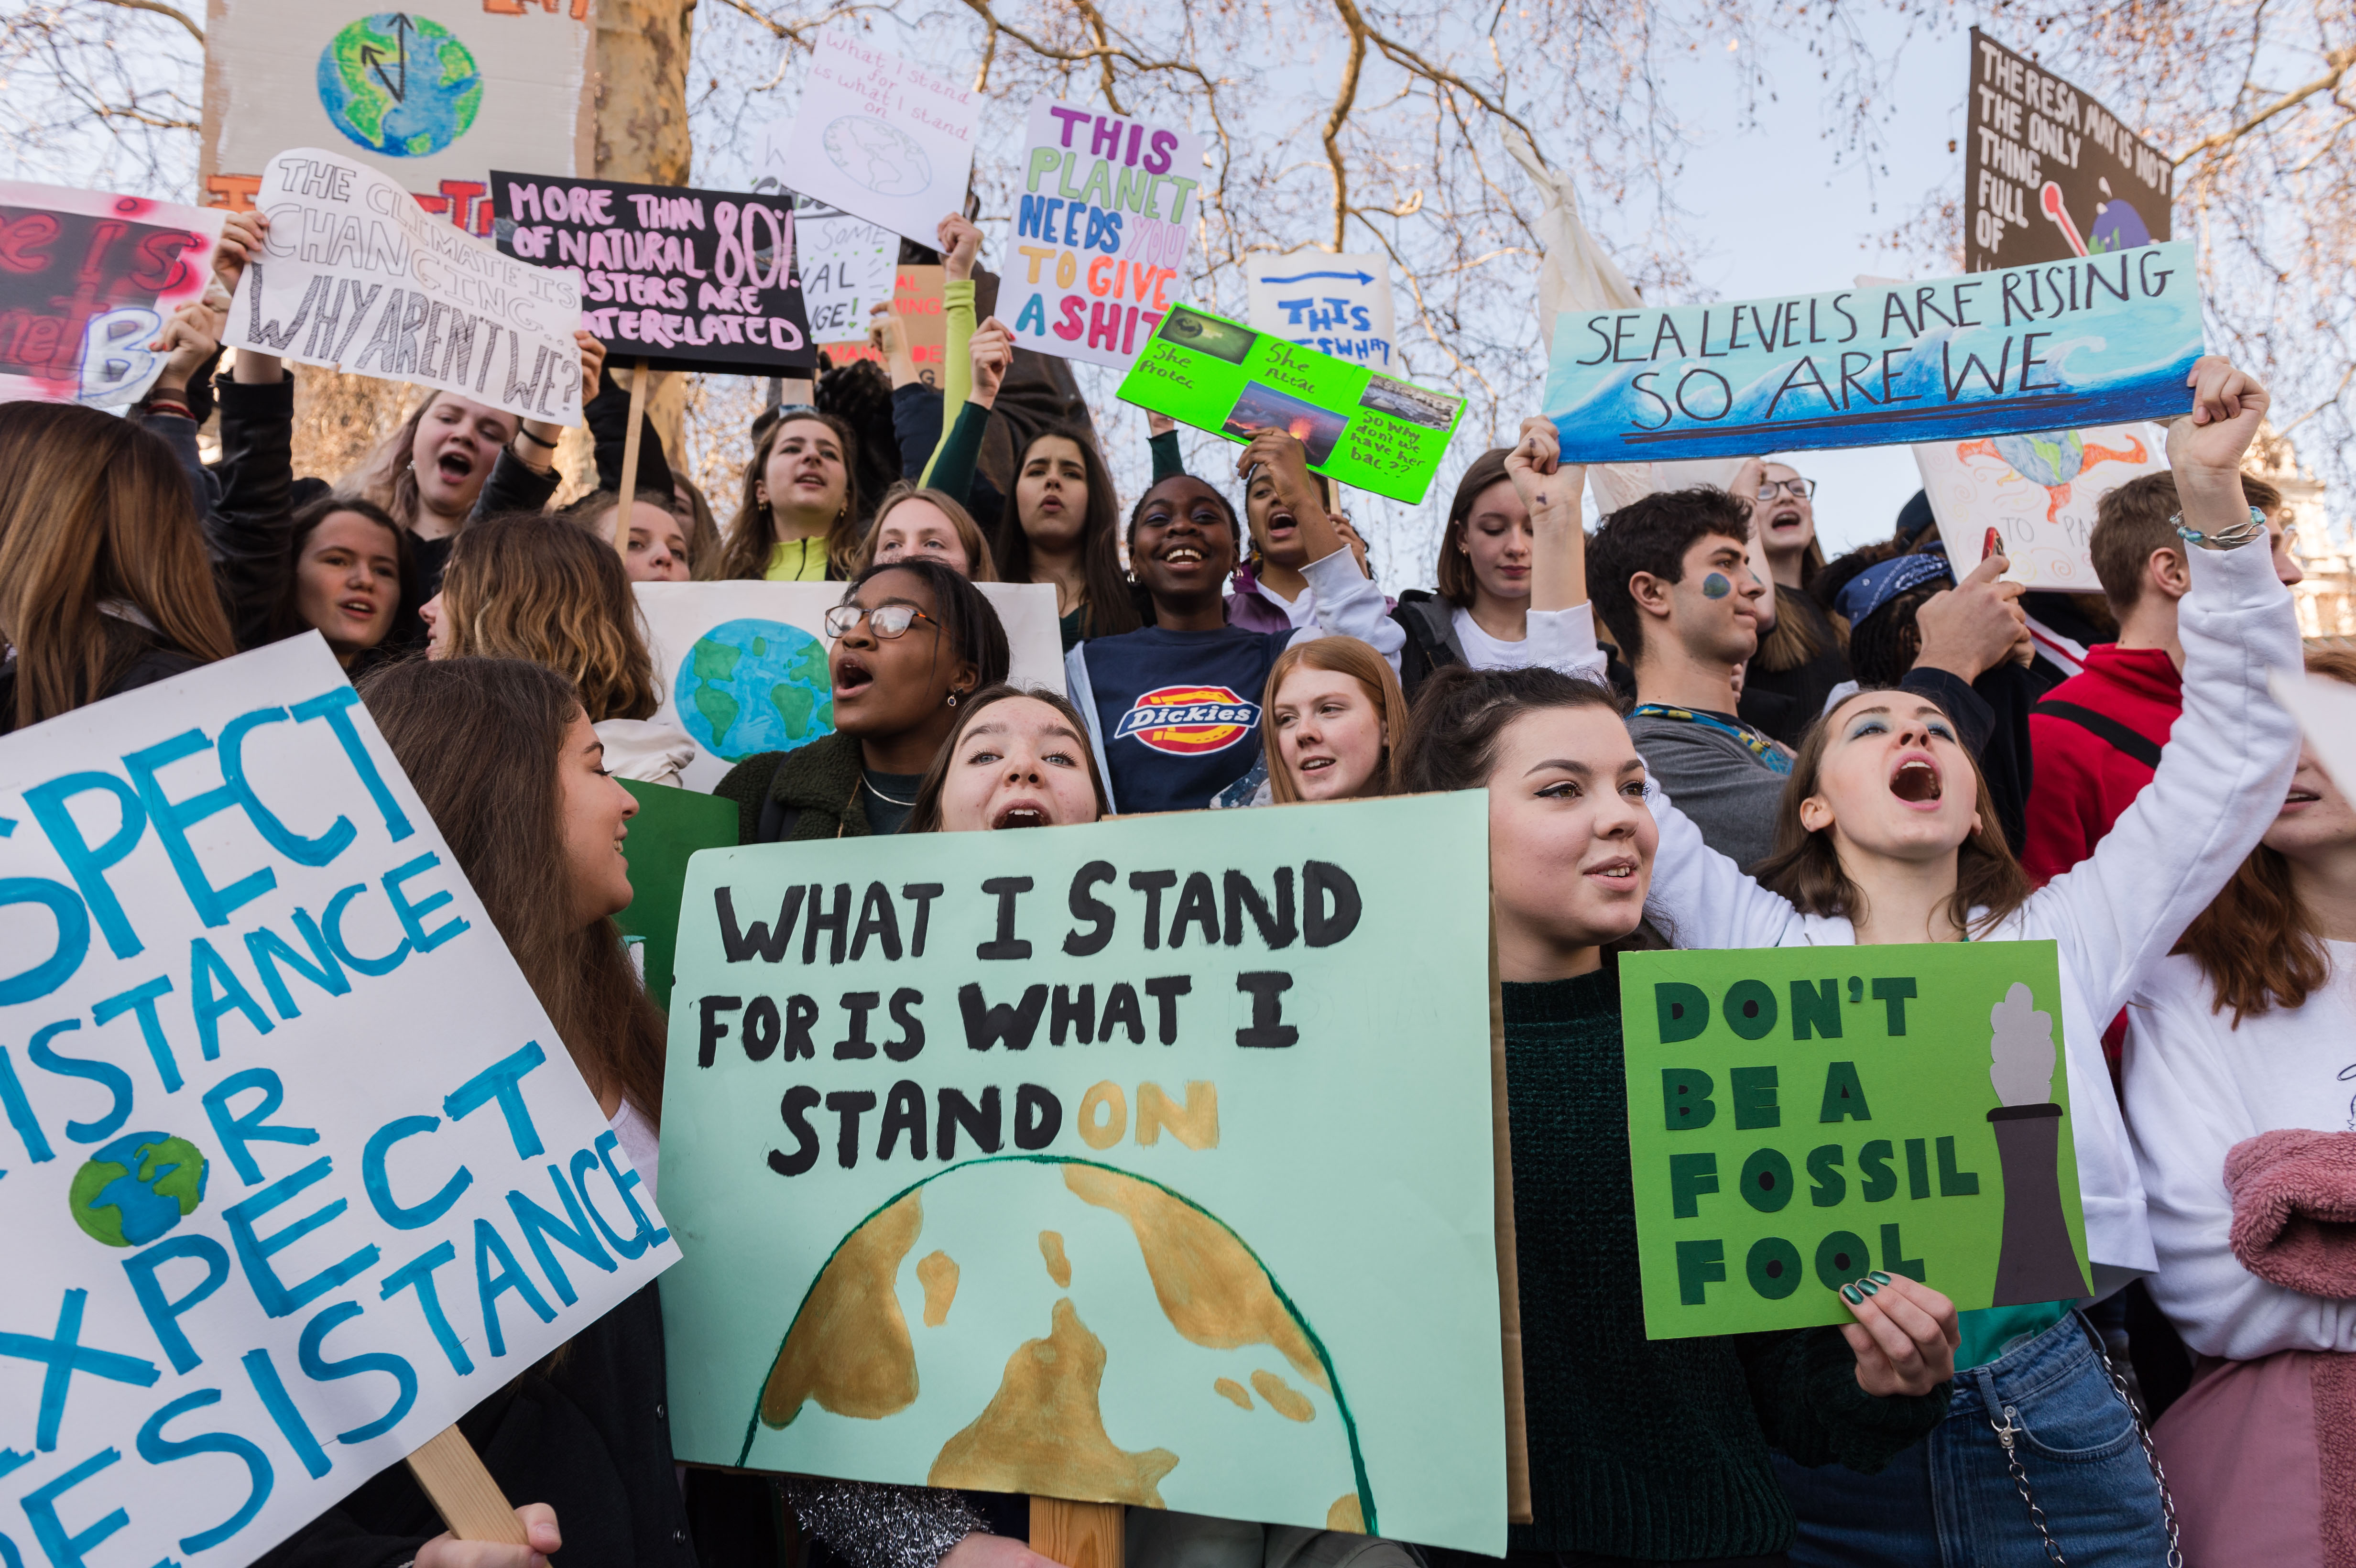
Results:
x,y
684,280
2048,173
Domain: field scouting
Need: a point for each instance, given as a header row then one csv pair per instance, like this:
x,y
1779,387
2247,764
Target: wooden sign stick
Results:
x,y
453,1478
1078,1535
638,379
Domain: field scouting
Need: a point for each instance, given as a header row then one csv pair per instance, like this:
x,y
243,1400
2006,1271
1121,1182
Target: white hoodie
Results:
x,y
644,752
2226,767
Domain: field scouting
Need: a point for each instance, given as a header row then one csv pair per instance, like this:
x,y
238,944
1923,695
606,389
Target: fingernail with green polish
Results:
x,y
1868,1287
1851,1295
1878,1277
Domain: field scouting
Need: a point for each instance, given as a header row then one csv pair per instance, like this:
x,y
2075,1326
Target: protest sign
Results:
x,y
298,1170
672,825
846,265
1359,427
2036,493
1917,1091
355,275
1100,231
87,279
429,94
916,302
2050,173
1226,1245
680,279
878,136
1336,305
2091,341
742,665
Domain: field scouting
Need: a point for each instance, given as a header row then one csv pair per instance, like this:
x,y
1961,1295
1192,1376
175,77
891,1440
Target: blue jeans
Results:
x,y
1949,1502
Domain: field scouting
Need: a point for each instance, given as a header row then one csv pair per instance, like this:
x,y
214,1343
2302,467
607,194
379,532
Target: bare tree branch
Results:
x,y
162,10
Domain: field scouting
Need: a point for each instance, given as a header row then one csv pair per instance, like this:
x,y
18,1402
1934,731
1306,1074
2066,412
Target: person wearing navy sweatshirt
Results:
x,y
1173,709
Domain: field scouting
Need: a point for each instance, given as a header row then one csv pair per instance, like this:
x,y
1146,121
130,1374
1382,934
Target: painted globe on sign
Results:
x,y
879,155
755,685
137,1187
400,85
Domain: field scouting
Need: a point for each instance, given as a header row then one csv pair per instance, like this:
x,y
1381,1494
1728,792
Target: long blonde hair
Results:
x,y
1338,655
531,586
94,510
745,552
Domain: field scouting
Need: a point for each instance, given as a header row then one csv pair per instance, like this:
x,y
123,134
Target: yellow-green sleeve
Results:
x,y
957,362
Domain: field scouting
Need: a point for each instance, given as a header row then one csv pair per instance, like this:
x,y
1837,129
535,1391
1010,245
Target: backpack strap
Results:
x,y
2104,727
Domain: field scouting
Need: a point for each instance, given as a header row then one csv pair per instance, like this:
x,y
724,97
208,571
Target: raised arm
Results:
x,y
1699,898
1561,629
1347,604
2229,761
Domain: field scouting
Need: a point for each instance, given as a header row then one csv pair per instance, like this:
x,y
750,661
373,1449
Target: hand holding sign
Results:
x,y
542,1539
1905,1335
1549,492
2228,405
993,355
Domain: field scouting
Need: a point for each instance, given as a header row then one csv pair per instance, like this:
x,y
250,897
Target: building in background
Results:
x,y
2327,599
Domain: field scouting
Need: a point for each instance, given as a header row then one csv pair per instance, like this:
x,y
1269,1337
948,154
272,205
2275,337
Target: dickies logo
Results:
x,y
1189,720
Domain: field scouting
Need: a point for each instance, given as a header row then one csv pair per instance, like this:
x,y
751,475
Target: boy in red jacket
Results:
x,y
2095,738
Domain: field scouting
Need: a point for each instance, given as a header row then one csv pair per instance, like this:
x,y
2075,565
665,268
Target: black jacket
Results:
x,y
1428,621
587,1433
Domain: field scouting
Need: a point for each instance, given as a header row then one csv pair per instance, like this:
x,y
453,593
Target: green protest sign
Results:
x,y
1148,1162
1798,1117
1361,427
672,825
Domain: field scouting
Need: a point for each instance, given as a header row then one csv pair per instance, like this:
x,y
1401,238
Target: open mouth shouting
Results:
x,y
1021,814
454,467
1915,780
851,676
1782,519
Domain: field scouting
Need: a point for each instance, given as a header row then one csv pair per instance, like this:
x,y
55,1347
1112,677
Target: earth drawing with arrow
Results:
x,y
398,85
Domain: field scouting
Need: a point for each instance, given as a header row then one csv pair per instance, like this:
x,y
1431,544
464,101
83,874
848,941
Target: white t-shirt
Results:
x,y
1482,651
641,1142
1558,639
2196,1085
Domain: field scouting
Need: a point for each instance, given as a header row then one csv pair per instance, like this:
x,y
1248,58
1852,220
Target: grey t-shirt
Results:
x,y
1715,780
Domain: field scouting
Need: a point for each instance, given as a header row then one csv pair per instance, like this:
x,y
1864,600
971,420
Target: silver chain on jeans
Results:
x,y
2009,1428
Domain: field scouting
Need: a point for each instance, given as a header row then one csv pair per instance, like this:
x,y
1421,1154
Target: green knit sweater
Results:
x,y
1648,1448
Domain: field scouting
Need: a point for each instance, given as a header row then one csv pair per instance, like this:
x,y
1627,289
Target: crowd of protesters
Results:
x,y
1677,750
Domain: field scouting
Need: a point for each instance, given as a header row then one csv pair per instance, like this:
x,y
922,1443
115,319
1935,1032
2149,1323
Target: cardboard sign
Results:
x,y
87,281
917,301
298,1172
880,137
1101,227
2092,341
1136,1162
846,265
685,280
1336,305
357,276
431,94
2050,173
1361,428
1799,1117
744,664
2037,494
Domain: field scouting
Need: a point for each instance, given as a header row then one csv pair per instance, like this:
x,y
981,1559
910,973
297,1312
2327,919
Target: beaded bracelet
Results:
x,y
2234,538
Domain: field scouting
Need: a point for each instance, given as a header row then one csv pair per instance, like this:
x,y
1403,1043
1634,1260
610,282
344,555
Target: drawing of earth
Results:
x,y
400,85
137,1187
755,685
1136,1344
881,156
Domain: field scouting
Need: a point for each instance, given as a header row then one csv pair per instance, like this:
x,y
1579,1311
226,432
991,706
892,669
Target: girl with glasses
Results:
x,y
912,640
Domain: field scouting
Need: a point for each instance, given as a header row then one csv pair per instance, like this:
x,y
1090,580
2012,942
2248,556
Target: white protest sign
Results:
x,y
2326,712
1336,305
883,138
2037,493
356,275
1101,229
298,1172
742,665
847,265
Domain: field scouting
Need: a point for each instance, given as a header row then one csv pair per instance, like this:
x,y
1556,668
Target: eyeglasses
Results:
x,y
1799,489
886,621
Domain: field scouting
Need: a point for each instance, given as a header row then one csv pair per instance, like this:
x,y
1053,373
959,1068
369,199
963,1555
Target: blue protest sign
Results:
x,y
2094,340
296,1170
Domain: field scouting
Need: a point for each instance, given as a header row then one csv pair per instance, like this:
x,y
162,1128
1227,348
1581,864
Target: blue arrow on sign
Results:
x,y
1360,278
